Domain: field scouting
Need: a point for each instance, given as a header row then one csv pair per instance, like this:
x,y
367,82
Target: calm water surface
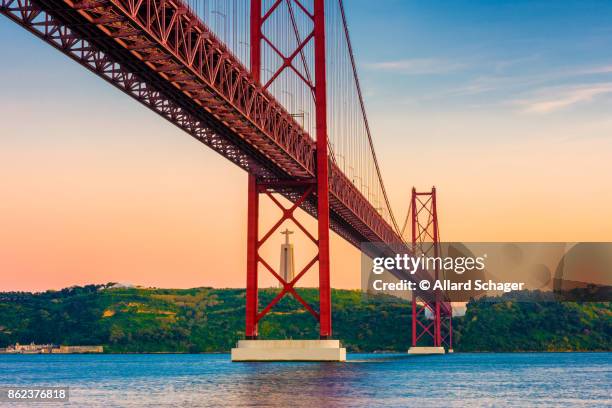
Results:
x,y
366,380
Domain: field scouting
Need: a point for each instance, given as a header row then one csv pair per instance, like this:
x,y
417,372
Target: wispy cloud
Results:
x,y
606,69
505,64
554,99
527,82
417,66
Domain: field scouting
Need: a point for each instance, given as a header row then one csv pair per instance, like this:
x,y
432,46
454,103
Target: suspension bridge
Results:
x,y
272,86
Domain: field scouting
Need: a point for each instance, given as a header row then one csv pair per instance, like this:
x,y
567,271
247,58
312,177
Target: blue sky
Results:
x,y
507,55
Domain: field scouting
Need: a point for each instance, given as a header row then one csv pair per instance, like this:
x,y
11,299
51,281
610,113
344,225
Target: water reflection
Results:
x,y
563,379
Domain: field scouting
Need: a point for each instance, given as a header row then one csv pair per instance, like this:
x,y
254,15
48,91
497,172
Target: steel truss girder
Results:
x,y
89,52
229,111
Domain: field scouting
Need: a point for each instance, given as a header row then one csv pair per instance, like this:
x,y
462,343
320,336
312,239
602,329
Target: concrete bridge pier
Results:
x,y
426,350
289,350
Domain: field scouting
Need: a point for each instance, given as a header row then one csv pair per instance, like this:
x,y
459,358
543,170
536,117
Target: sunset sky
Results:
x,y
505,106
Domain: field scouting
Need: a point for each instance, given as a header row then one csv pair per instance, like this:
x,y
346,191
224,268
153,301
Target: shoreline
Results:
x,y
364,352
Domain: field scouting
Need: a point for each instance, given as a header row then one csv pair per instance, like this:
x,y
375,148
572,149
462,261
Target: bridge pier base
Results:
x,y
289,350
426,350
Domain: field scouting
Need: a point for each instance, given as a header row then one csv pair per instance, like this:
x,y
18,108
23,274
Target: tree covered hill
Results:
x,y
505,324
212,320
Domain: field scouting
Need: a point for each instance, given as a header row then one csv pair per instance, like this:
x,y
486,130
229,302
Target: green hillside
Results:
x,y
212,320
510,325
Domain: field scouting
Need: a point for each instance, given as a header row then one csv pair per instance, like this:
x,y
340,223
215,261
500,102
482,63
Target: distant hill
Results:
x,y
128,319
508,324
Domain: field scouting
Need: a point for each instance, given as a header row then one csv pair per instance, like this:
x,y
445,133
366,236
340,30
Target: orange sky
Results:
x,y
151,206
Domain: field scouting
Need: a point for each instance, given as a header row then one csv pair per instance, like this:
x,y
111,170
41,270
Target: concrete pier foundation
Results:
x,y
426,350
289,350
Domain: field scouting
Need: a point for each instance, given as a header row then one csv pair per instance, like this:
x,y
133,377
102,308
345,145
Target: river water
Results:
x,y
365,380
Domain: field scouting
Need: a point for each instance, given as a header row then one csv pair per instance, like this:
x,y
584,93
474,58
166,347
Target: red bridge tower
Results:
x,y
316,189
426,240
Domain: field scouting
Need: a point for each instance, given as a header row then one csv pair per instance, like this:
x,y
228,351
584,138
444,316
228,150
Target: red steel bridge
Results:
x,y
272,86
